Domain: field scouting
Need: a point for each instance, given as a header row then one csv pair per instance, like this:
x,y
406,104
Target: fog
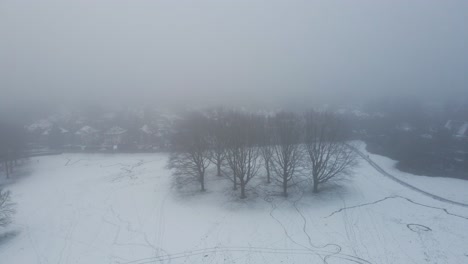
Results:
x,y
247,53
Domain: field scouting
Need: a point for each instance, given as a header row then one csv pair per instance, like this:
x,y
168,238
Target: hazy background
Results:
x,y
250,53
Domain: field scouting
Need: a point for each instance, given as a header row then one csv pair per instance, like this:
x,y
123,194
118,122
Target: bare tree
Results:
x,y
242,152
217,134
266,146
190,156
328,155
6,208
287,150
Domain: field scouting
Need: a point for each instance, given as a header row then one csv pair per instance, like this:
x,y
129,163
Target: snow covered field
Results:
x,y
449,188
82,208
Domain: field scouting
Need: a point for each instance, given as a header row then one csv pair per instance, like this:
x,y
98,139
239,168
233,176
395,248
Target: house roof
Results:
x,y
116,130
40,125
427,136
462,131
147,129
86,130
404,127
458,128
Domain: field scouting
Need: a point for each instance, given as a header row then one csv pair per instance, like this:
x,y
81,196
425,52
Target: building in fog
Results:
x,y
115,137
87,136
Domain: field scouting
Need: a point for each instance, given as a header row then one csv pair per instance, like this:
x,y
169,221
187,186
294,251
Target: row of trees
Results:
x,y
284,147
11,148
12,140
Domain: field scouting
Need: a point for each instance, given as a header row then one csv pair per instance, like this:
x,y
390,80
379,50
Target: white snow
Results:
x,y
84,208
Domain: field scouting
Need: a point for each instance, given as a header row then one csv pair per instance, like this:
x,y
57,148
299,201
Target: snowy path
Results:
x,y
78,208
412,187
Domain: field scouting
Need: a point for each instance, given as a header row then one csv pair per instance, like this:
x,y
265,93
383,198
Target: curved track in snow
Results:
x,y
412,187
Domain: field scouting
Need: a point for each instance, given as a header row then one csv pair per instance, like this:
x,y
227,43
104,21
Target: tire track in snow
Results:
x,y
317,251
257,250
304,229
397,197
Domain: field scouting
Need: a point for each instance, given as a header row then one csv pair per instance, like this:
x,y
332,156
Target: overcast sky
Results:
x,y
267,53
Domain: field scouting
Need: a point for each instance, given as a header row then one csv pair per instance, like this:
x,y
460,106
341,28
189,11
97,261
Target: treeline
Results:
x,y
12,146
425,139
286,147
11,150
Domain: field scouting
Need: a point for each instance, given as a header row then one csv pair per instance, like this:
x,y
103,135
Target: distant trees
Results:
x,y
327,153
245,145
191,153
423,137
56,139
11,146
6,208
287,148
266,145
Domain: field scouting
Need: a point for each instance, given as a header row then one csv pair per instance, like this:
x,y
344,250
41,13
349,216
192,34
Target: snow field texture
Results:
x,y
125,208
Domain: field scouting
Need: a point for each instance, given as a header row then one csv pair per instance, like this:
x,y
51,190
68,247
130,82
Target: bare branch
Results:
x,y
287,153
7,208
328,155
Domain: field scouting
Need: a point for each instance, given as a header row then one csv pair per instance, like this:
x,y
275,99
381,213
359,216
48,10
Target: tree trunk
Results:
x,y
242,184
268,172
285,187
7,170
218,165
235,182
315,185
202,182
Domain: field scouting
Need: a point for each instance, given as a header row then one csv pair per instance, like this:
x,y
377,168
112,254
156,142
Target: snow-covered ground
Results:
x,y
81,208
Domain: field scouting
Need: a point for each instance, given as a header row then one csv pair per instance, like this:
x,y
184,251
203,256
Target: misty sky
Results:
x,y
268,53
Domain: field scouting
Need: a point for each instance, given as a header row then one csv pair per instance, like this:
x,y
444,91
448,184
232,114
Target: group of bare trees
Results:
x,y
286,147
